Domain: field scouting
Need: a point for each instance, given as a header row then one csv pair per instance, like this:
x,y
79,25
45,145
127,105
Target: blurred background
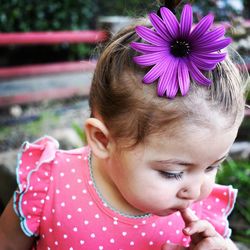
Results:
x,y
48,51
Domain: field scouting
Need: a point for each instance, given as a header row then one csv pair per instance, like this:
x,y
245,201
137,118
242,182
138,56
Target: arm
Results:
x,y
11,234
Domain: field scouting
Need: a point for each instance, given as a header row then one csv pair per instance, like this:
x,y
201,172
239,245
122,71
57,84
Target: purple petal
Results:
x,y
183,77
201,27
149,59
150,36
156,71
186,21
212,47
168,81
210,36
170,21
147,48
207,61
197,75
202,64
160,26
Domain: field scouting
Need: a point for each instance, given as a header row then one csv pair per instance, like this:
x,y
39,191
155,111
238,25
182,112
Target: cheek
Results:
x,y
207,187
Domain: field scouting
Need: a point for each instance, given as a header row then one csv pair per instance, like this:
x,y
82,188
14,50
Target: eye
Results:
x,y
171,175
212,168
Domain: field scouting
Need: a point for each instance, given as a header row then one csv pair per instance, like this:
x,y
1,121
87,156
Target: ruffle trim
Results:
x,y
33,173
218,206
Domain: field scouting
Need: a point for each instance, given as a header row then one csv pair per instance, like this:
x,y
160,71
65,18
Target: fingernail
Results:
x,y
187,229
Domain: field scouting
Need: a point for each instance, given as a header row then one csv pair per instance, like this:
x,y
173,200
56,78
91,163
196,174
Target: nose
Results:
x,y
190,191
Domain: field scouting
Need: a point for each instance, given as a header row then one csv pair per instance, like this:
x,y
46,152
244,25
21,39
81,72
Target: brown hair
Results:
x,y
132,110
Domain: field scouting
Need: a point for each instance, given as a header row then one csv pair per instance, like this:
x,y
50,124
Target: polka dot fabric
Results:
x,y
58,202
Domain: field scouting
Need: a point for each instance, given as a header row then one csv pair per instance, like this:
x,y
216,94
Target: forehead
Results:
x,y
192,144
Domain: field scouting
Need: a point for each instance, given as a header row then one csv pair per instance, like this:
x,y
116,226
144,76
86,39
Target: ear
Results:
x,y
98,137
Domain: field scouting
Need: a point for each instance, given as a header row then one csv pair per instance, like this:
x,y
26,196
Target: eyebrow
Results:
x,y
187,164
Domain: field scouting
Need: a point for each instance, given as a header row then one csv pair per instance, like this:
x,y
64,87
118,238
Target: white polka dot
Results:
x,y
168,241
124,233
38,179
97,216
177,231
31,188
20,162
112,241
71,248
56,162
67,186
225,193
46,173
223,223
79,157
69,216
53,210
51,178
104,229
217,200
184,239
30,153
92,235
42,201
82,242
28,167
50,230
73,197
56,243
34,209
47,197
90,182
178,213
79,181
75,229
65,236
79,210
35,194
85,158
100,247
67,160
153,225
57,191
46,189
115,222
143,234
132,243
29,217
61,174
86,222
135,226
63,204
223,210
24,202
144,222
84,191
209,207
73,170
161,232
58,223
91,203
151,243
44,218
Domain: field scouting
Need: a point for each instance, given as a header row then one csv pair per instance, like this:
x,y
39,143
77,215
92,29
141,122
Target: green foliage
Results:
x,y
237,174
80,133
32,15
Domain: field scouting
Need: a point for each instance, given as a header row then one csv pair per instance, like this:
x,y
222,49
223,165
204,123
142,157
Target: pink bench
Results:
x,y
47,38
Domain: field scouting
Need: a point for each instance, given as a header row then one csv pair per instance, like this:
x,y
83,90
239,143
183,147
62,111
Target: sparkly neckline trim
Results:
x,y
105,203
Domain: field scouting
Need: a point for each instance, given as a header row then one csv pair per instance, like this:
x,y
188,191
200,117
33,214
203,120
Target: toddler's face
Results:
x,y
170,173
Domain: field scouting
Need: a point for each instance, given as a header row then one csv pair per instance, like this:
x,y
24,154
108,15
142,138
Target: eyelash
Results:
x,y
178,176
169,175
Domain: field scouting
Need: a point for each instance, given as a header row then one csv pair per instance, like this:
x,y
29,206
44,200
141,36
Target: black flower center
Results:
x,y
180,48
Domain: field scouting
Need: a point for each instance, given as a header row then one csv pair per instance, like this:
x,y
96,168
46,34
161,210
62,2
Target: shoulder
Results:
x,y
217,207
36,165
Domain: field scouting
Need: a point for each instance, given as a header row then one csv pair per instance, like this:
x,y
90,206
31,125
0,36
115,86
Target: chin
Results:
x,y
165,213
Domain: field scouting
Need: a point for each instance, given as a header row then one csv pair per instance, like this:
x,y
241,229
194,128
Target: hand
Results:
x,y
202,233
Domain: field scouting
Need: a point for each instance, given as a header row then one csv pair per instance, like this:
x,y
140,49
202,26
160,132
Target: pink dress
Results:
x,y
57,200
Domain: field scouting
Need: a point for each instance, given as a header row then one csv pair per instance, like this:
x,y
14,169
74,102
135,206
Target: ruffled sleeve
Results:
x,y
35,161
218,206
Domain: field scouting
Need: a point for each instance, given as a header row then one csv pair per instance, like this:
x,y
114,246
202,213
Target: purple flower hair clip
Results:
x,y
178,52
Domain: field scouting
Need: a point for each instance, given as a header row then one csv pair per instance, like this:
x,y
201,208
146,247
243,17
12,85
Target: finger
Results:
x,y
200,227
188,216
214,243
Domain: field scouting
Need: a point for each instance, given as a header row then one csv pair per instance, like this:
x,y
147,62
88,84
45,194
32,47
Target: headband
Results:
x,y
177,52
